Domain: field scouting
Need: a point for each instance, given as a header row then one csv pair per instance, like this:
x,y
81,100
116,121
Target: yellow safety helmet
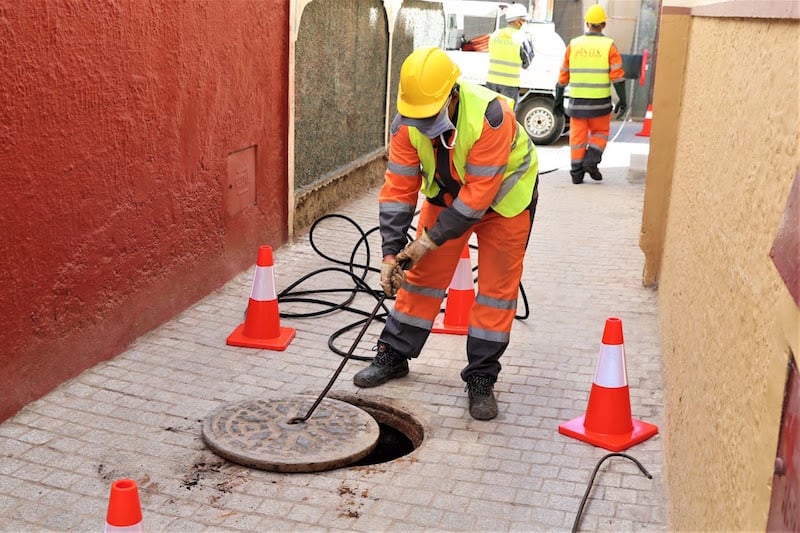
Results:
x,y
426,77
595,14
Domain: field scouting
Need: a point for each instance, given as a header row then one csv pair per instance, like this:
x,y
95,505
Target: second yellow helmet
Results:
x,y
596,14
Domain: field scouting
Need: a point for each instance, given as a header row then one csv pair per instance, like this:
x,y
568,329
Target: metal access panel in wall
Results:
x,y
240,186
784,511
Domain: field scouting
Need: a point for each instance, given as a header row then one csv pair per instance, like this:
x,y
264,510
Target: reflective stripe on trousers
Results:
x,y
501,250
587,133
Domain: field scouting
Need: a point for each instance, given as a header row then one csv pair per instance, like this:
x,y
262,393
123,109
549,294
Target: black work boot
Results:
x,y
594,172
577,176
387,364
482,405
590,162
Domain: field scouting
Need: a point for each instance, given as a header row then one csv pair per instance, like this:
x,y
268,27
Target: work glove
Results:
x,y
392,276
622,104
558,102
412,253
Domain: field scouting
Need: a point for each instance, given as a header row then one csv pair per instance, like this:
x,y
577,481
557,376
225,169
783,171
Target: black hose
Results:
x,y
591,481
356,274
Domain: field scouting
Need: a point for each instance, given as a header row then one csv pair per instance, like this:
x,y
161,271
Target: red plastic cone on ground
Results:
x,y
648,122
460,297
262,322
608,422
124,512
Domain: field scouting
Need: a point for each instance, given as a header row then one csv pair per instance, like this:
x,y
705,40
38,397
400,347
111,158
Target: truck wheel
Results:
x,y
536,114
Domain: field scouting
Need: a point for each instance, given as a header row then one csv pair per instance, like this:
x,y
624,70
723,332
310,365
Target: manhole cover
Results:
x,y
257,433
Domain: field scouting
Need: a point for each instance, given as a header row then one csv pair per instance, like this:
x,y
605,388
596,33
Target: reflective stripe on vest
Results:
x,y
588,67
523,165
505,62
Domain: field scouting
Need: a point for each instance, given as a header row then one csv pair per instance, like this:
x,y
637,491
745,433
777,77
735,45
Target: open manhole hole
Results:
x,y
343,431
400,433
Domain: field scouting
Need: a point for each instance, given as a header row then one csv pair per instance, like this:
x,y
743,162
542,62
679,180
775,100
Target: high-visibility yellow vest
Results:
x,y
521,171
588,67
505,62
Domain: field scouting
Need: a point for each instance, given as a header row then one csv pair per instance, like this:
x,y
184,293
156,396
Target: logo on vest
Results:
x,y
586,53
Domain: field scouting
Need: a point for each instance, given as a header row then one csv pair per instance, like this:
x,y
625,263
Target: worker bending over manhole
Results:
x,y
460,145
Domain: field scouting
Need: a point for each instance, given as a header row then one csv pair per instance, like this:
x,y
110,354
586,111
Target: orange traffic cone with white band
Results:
x,y
460,297
262,321
124,512
648,122
607,422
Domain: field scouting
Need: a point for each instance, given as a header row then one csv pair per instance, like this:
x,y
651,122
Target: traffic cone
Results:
x,y
460,297
124,512
607,422
262,321
648,121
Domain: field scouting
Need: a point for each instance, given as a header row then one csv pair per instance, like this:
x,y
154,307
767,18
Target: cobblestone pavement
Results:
x,y
139,415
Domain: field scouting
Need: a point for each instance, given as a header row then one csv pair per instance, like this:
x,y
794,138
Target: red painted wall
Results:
x,y
121,203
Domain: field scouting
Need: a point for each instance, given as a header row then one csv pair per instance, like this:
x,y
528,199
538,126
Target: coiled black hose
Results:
x,y
356,273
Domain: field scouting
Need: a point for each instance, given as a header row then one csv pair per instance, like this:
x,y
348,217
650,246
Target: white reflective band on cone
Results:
x,y
610,372
264,284
462,277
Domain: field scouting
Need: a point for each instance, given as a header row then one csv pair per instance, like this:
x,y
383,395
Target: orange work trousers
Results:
x,y
501,250
588,133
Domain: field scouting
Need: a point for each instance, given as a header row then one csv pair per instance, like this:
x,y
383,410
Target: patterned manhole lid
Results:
x,y
257,433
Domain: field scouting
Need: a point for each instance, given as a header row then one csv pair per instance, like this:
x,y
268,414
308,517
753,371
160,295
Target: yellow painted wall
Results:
x,y
722,160
674,29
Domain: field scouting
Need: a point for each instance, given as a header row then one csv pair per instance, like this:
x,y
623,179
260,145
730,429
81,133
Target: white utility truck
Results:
x,y
468,25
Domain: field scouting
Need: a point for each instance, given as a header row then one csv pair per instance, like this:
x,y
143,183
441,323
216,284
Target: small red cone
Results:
x,y
460,297
124,512
648,121
607,422
262,327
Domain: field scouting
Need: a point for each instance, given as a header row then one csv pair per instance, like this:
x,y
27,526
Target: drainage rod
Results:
x,y
298,419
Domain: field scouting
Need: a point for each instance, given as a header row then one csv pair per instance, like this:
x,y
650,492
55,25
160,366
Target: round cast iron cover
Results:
x,y
257,433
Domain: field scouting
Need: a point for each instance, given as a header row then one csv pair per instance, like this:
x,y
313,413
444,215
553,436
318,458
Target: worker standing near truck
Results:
x,y
510,51
591,65
460,145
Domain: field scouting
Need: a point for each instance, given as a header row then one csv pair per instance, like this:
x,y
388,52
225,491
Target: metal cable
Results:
x,y
591,481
